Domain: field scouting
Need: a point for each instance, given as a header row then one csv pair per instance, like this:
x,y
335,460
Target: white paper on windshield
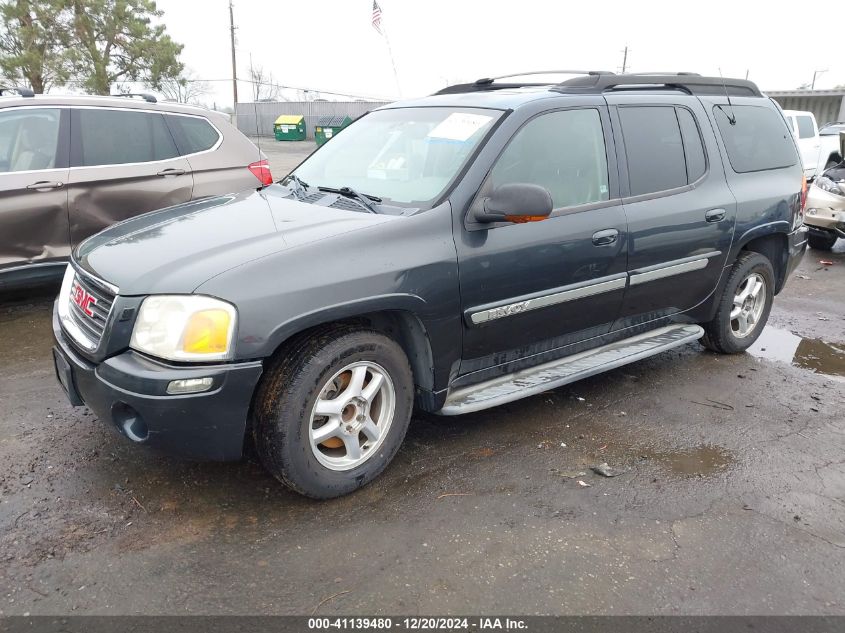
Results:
x,y
459,126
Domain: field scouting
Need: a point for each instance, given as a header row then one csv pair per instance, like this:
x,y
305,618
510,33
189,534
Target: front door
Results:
x,y
123,163
680,211
33,193
529,289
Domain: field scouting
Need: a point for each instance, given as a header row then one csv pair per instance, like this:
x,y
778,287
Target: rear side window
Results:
x,y
693,145
758,140
806,129
101,136
654,148
192,134
562,151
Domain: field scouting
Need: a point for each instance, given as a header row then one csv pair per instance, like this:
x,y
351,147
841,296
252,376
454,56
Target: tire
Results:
x,y
831,163
727,335
822,242
333,367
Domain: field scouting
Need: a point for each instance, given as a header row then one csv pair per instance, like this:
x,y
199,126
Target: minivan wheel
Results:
x,y
332,410
822,242
744,307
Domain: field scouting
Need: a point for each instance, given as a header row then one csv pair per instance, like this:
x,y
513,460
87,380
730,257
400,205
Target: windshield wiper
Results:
x,y
301,185
349,192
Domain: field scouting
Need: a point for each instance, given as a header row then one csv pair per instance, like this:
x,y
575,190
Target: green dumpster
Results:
x,y
328,126
290,127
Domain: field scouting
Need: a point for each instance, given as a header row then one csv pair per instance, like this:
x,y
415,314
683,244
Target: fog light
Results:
x,y
189,385
812,211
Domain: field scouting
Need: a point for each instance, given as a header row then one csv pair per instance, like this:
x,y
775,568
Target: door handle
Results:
x,y
171,172
44,185
605,237
715,215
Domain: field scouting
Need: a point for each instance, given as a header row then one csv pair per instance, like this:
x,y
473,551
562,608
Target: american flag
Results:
x,y
377,17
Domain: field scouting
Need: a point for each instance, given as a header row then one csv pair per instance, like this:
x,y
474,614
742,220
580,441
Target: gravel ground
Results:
x,y
730,496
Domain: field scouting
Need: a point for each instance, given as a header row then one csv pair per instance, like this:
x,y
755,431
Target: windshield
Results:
x,y
830,130
404,155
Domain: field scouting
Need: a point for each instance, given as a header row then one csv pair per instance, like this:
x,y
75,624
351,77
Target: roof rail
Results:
x,y
14,90
488,83
688,82
146,96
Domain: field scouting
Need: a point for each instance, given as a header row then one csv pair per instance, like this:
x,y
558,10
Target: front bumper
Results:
x,y
129,392
825,211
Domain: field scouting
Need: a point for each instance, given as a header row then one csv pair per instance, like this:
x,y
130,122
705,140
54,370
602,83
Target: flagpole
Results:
x,y
382,30
392,62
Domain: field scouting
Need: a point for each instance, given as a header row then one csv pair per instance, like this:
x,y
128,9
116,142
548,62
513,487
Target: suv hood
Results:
x,y
175,250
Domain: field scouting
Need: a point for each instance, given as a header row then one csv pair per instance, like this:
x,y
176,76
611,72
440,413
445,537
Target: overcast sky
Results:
x,y
330,44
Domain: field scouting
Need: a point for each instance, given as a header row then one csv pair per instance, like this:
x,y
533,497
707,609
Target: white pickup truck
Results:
x,y
819,147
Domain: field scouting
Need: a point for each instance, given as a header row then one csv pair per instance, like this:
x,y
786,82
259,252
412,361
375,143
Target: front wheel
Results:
x,y
744,306
332,410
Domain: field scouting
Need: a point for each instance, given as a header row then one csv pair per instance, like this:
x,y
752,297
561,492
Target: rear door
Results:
x,y
680,211
124,162
33,195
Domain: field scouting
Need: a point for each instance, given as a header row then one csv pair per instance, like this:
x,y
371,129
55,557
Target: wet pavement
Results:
x,y
729,497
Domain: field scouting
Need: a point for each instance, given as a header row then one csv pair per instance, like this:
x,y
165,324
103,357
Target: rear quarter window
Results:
x,y
193,134
759,139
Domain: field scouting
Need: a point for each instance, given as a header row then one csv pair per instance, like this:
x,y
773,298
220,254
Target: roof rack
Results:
x,y
14,90
599,81
690,83
488,83
146,96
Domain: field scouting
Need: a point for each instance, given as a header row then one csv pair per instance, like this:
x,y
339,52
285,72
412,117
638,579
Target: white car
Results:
x,y
819,148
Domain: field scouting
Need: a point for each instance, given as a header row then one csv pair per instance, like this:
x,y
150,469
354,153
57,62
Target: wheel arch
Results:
x,y
396,316
772,242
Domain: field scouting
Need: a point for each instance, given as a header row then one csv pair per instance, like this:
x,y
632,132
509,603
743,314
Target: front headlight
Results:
x,y
826,184
185,327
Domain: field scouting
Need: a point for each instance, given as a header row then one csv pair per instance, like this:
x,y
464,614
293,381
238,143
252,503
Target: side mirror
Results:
x,y
517,202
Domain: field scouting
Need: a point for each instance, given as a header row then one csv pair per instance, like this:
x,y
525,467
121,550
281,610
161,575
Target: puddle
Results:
x,y
700,460
812,354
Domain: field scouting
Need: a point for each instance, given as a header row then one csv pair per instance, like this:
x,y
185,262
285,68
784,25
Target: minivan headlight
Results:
x,y
185,327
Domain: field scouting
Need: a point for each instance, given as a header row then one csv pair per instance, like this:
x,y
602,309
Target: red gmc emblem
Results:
x,y
83,299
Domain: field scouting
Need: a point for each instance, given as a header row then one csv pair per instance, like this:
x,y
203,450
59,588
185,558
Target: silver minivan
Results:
x,y
72,165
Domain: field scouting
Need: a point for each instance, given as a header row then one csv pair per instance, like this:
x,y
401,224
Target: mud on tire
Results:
x,y
323,368
724,334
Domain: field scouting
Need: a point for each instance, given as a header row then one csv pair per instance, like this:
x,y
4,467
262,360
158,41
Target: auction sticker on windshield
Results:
x,y
459,126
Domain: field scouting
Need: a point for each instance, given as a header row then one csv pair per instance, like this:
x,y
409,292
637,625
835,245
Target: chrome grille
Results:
x,y
93,322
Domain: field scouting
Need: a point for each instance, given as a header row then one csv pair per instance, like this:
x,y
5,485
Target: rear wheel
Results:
x,y
744,307
332,412
821,241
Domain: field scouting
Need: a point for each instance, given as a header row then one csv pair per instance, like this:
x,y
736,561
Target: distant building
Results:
x,y
826,105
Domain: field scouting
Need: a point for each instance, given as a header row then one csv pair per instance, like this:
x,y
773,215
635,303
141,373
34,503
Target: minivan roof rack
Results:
x,y
599,81
14,90
146,96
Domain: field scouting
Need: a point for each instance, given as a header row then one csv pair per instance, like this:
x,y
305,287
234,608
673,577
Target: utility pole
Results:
x,y
234,63
624,59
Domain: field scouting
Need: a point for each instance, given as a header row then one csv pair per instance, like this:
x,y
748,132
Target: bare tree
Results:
x,y
264,86
185,89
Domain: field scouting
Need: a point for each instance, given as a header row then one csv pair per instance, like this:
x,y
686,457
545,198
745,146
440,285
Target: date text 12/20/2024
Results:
x,y
418,624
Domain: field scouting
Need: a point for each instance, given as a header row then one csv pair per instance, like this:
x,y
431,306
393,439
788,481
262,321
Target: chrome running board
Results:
x,y
534,380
